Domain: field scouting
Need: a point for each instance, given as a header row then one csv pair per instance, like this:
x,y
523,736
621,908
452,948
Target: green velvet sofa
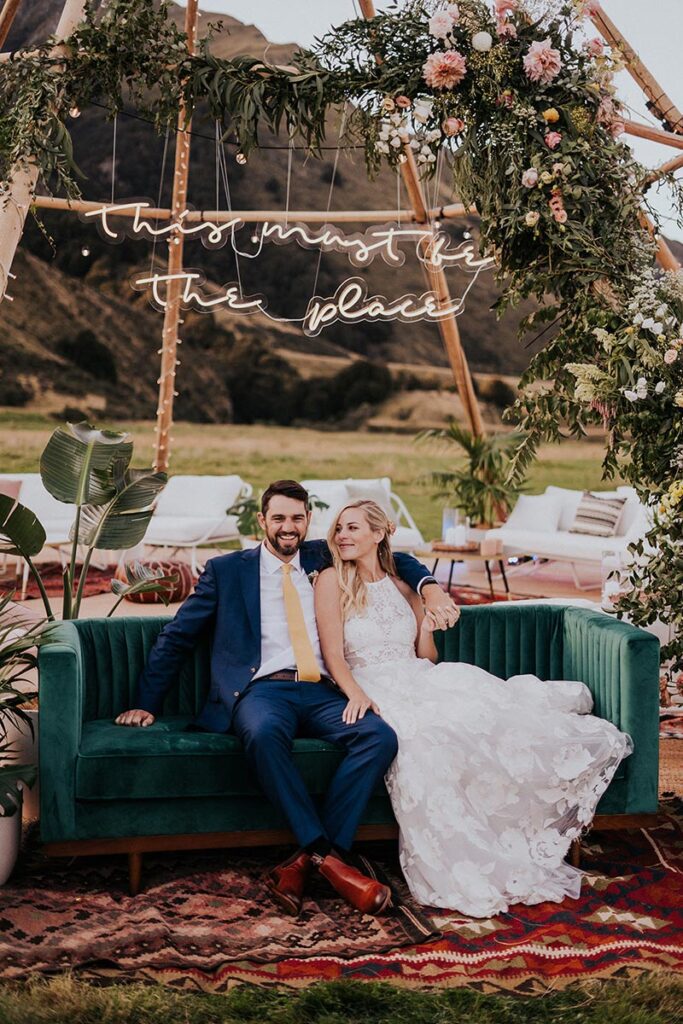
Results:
x,y
104,788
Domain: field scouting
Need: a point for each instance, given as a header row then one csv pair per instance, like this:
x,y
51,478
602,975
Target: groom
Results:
x,y
269,684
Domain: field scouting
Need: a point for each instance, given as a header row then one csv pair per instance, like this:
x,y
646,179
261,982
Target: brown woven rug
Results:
x,y
198,912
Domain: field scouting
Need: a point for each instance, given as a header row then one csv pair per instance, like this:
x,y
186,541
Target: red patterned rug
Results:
x,y
205,922
97,582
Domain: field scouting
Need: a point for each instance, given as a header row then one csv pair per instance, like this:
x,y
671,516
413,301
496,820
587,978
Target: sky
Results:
x,y
654,29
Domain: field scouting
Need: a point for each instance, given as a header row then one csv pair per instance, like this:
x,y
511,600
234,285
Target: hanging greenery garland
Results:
x,y
528,121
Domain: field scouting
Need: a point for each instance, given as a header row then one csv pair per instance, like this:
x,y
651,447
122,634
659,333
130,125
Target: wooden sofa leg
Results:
x,y
134,873
575,853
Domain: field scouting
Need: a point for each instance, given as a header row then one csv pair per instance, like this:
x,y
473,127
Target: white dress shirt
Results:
x,y
276,646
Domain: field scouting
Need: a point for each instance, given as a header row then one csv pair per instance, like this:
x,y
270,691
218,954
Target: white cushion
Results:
x,y
540,512
189,529
579,547
569,501
36,496
335,495
378,491
406,539
203,495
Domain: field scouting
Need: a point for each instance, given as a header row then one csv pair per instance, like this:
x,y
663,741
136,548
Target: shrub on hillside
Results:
x,y
88,353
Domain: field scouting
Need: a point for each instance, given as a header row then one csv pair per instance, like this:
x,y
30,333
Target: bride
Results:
x,y
493,778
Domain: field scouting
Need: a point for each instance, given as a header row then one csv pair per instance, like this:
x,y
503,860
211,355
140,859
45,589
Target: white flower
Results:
x,y
396,142
382,147
454,12
422,110
482,41
659,387
440,24
426,150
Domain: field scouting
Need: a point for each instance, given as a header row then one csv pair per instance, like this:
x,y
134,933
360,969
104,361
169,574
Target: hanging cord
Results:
x,y
226,187
159,197
113,158
342,127
289,179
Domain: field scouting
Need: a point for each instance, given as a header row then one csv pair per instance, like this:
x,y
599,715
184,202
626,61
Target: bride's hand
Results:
x,y
357,705
429,623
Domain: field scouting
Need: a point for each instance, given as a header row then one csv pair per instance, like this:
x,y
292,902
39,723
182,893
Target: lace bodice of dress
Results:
x,y
385,631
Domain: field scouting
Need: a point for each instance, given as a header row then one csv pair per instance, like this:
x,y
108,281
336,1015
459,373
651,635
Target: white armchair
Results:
x,y
336,493
191,511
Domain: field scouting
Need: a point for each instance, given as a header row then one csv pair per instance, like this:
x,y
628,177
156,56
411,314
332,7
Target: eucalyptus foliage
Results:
x,y
531,140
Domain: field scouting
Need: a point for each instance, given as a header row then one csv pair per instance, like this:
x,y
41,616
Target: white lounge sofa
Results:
x,y
56,517
540,525
337,493
191,511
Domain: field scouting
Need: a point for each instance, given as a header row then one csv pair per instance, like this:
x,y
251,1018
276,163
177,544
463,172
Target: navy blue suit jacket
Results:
x,y
227,603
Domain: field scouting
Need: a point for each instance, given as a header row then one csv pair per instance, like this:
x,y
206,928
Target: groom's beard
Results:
x,y
285,546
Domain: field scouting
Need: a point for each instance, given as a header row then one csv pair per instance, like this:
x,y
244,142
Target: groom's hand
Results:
x,y
135,717
440,605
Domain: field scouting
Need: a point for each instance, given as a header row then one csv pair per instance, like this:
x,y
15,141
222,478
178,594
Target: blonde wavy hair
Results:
x,y
354,595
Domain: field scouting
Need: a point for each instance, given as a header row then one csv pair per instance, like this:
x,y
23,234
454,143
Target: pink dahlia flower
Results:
x,y
553,139
530,177
670,356
444,70
542,63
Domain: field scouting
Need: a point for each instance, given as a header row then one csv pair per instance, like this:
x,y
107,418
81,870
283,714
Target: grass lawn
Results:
x,y
260,454
652,1000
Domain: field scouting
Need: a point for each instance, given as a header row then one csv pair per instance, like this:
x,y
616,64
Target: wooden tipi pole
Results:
x,y
450,334
24,175
169,344
7,16
658,101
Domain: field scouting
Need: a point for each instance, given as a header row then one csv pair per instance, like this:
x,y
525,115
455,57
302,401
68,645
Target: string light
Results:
x,y
74,112
85,251
240,158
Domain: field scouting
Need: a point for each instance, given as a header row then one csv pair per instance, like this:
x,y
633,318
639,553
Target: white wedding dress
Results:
x,y
493,778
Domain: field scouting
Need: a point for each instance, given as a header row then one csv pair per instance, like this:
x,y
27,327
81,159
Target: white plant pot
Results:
x,y
25,751
10,840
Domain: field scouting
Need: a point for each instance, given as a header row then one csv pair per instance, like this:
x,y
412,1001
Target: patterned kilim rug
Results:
x,y
97,582
205,922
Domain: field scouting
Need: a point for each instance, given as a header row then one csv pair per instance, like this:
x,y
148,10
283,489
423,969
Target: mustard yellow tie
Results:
x,y
306,663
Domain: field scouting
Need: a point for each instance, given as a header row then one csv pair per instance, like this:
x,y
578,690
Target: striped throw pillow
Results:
x,y
597,516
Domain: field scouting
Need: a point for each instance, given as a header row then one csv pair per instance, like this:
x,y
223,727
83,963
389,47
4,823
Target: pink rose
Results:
x,y
440,24
505,30
403,102
561,216
504,7
453,126
444,70
530,177
542,63
594,47
670,356
553,139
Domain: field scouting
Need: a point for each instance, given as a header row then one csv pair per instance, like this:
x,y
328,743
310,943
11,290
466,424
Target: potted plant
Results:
x,y
246,510
18,639
90,469
480,488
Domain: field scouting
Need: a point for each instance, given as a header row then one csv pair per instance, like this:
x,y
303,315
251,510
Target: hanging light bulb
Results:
x,y
241,158
74,112
85,251
466,234
255,236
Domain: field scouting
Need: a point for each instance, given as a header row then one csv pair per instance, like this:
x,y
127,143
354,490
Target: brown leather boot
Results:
x,y
363,893
288,880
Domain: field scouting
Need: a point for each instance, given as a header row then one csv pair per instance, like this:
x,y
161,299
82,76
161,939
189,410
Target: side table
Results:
x,y
454,555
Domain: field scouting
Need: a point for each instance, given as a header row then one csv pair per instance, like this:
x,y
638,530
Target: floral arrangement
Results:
x,y
504,96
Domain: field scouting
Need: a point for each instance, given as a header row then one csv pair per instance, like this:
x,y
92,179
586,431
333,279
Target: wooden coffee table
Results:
x,y
454,555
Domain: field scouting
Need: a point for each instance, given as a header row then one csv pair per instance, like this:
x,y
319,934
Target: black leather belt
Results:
x,y
290,675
